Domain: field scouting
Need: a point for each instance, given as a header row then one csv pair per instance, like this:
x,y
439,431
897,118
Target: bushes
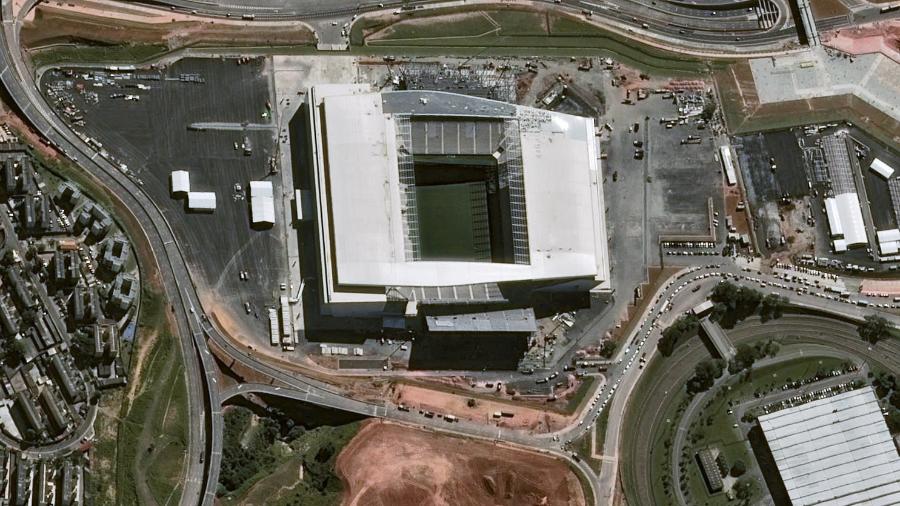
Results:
x,y
874,329
684,327
705,375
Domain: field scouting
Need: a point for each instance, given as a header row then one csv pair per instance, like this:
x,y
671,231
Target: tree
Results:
x,y
874,328
744,358
705,374
709,109
607,348
683,328
738,468
772,306
743,489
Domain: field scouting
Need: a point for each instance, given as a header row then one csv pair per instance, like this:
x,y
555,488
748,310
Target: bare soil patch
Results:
x,y
533,420
389,465
822,9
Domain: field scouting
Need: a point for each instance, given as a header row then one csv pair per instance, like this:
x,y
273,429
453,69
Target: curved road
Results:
x,y
645,418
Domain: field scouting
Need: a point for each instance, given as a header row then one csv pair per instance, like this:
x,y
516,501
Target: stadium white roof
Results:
x,y
884,170
360,198
845,218
262,202
836,451
181,181
201,201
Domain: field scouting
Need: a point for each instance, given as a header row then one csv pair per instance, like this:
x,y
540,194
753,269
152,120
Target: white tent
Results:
x,y
262,202
181,182
201,201
851,218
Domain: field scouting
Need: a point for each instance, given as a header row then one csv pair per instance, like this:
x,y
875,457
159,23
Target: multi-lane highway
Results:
x,y
712,27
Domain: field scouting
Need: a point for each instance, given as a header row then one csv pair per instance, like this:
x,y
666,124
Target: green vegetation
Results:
x,y
887,389
683,328
875,328
600,430
580,394
608,348
121,53
735,303
713,425
486,30
705,375
262,457
745,355
152,434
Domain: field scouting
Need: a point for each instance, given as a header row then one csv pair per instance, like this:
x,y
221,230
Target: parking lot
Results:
x,y
143,119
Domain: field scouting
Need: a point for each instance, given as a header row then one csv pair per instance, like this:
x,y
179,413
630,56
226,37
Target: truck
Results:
x,y
451,418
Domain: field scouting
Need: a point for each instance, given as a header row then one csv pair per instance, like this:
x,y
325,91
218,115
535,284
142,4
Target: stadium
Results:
x,y
427,198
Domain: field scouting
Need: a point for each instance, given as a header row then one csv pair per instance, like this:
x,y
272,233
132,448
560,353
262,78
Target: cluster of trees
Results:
x,y
745,355
607,349
705,375
243,459
734,303
683,328
875,328
887,388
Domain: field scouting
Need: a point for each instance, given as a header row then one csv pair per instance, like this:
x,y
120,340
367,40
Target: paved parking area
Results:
x,y
152,137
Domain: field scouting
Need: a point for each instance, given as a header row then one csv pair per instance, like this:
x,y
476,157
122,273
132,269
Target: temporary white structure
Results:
x,y
181,182
201,201
262,202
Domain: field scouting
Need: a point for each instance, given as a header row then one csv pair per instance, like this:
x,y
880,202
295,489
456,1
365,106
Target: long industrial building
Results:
x,y
425,197
835,451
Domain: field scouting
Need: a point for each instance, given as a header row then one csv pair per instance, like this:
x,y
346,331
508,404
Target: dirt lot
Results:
x,y
388,465
533,420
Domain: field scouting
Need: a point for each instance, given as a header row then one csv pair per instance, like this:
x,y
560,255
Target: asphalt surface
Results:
x,y
206,437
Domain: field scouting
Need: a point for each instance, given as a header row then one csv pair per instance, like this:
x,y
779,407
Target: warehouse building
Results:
x,y
835,451
434,198
262,203
845,221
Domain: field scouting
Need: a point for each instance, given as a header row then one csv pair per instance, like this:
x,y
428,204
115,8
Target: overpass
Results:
x,y
717,337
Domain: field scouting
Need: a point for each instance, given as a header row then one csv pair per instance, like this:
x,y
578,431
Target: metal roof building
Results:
x,y
845,220
835,451
427,195
181,182
201,201
262,202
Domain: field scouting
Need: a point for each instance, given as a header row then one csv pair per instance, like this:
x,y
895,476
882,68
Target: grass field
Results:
x,y
713,425
153,430
493,31
123,53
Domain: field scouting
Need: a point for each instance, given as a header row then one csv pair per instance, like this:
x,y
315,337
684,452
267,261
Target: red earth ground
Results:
x,y
394,465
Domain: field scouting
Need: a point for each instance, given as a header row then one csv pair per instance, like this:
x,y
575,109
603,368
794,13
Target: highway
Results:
x,y
716,27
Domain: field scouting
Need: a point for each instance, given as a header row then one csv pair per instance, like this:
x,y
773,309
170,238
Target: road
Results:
x,y
715,27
